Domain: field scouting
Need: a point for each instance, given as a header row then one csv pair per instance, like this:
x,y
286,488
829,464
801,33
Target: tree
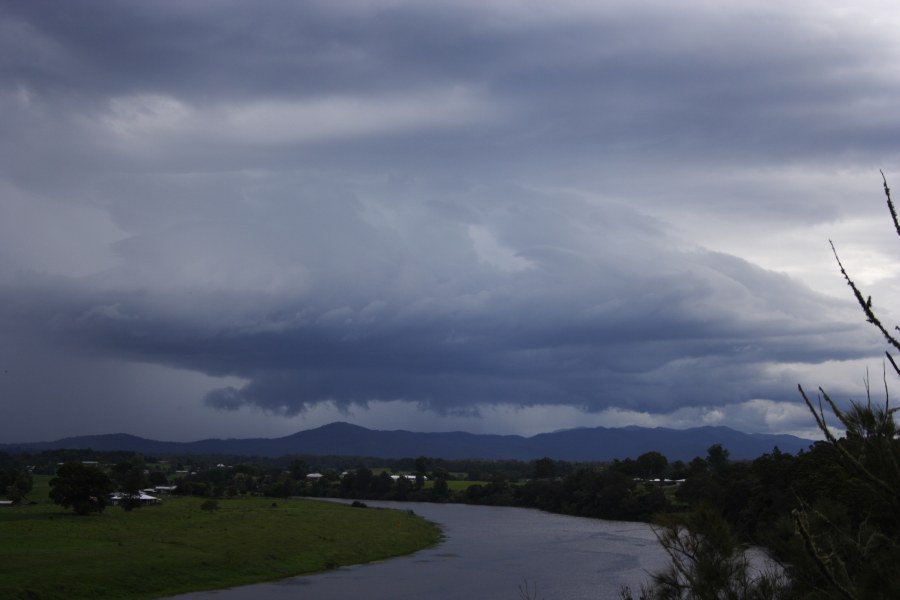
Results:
x,y
441,489
652,464
131,478
421,466
707,563
155,478
847,523
85,489
855,548
717,458
402,488
282,487
20,486
299,469
544,468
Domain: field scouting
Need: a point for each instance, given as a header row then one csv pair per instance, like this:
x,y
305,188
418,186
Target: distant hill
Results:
x,y
344,439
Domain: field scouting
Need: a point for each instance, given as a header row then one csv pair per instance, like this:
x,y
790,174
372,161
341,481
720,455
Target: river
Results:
x,y
488,553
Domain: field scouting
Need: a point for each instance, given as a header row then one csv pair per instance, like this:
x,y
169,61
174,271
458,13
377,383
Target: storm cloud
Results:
x,y
233,219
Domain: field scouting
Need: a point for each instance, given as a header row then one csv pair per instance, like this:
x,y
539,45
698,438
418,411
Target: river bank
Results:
x,y
487,552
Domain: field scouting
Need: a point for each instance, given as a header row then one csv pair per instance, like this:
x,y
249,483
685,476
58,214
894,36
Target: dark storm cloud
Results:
x,y
451,204
646,80
588,321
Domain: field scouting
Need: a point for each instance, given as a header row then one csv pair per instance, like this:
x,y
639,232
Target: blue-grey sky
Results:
x,y
236,219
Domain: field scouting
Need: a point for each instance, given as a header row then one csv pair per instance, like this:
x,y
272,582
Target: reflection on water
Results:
x,y
489,552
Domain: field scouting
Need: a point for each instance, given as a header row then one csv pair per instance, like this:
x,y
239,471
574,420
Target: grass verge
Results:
x,y
176,547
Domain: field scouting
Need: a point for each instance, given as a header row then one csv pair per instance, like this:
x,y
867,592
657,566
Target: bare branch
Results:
x,y
865,304
893,364
887,192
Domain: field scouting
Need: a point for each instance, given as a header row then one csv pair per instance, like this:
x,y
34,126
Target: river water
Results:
x,y
487,553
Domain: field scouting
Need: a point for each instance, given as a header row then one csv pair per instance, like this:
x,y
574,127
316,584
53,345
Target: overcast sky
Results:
x,y
241,219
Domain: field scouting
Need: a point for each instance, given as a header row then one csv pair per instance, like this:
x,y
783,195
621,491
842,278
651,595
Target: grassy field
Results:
x,y
461,486
175,547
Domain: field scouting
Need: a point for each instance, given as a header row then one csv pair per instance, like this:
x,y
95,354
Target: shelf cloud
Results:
x,y
242,220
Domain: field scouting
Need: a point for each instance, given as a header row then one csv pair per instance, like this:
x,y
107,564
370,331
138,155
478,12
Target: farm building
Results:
x,y
116,497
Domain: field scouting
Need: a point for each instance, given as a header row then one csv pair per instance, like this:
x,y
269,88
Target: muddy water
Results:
x,y
489,553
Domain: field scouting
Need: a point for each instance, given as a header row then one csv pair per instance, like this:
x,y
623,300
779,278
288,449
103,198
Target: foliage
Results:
x,y
130,478
842,540
544,468
707,563
441,489
855,543
18,485
855,549
84,488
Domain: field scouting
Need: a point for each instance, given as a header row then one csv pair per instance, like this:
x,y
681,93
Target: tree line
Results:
x,y
813,511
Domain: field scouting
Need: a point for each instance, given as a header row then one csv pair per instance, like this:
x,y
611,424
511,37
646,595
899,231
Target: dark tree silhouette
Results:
x,y
20,487
856,551
85,489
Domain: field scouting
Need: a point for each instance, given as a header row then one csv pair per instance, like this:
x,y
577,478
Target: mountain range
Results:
x,y
344,439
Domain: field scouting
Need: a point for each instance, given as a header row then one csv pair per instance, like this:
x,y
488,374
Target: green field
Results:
x,y
461,486
176,547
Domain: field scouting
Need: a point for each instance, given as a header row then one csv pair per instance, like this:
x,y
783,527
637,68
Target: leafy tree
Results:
x,y
299,469
441,489
544,468
20,487
402,488
855,547
652,464
846,516
282,487
83,488
192,488
774,481
7,476
382,484
708,563
364,479
706,479
421,472
717,458
358,482
131,478
157,478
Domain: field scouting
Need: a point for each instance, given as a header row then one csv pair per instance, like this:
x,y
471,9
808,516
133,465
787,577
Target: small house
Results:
x,y
145,499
